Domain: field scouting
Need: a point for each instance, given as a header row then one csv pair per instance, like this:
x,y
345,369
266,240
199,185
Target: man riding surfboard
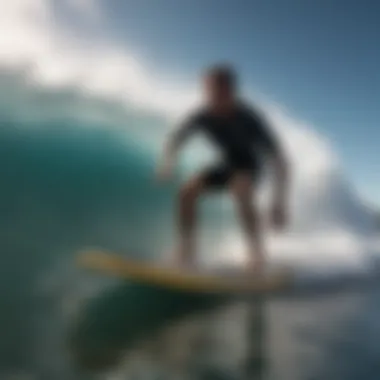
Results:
x,y
245,141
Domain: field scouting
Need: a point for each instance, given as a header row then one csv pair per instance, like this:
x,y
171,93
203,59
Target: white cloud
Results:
x,y
88,8
29,36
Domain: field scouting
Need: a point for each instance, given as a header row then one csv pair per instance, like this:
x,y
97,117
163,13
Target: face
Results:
x,y
219,96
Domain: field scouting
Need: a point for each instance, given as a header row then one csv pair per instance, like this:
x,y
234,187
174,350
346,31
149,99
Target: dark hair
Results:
x,y
224,74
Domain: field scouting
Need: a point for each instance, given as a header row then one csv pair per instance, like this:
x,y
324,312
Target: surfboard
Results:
x,y
146,272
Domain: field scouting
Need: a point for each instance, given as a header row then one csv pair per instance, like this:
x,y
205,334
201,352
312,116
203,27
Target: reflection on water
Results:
x,y
123,318
135,330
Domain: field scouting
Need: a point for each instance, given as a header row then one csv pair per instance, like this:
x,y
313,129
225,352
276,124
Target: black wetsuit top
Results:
x,y
243,138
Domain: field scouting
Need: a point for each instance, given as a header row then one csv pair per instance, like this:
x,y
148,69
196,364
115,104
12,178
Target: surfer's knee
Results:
x,y
241,188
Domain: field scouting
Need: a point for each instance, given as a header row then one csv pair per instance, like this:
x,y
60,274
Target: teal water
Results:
x,y
78,174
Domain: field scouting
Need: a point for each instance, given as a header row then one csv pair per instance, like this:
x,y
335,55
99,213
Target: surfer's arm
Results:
x,y
174,143
281,175
272,148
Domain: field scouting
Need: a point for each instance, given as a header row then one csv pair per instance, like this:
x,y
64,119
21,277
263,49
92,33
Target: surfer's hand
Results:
x,y
279,217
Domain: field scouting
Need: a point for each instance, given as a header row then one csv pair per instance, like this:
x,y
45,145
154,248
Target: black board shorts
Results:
x,y
242,138
220,175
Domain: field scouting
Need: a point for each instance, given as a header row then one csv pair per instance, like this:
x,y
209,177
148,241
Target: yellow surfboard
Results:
x,y
177,279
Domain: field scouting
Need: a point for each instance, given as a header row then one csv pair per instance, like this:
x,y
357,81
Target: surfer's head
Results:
x,y
220,83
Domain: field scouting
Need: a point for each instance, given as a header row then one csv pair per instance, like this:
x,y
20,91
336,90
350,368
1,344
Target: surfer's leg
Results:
x,y
187,208
211,179
242,190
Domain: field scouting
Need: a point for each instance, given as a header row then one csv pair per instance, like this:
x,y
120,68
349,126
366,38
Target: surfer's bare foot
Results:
x,y
255,264
255,267
183,258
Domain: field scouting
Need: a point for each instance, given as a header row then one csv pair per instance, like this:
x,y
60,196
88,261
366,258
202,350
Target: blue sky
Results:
x,y
318,58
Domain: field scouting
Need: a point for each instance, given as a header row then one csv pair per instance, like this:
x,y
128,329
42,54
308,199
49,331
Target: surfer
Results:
x,y
245,141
